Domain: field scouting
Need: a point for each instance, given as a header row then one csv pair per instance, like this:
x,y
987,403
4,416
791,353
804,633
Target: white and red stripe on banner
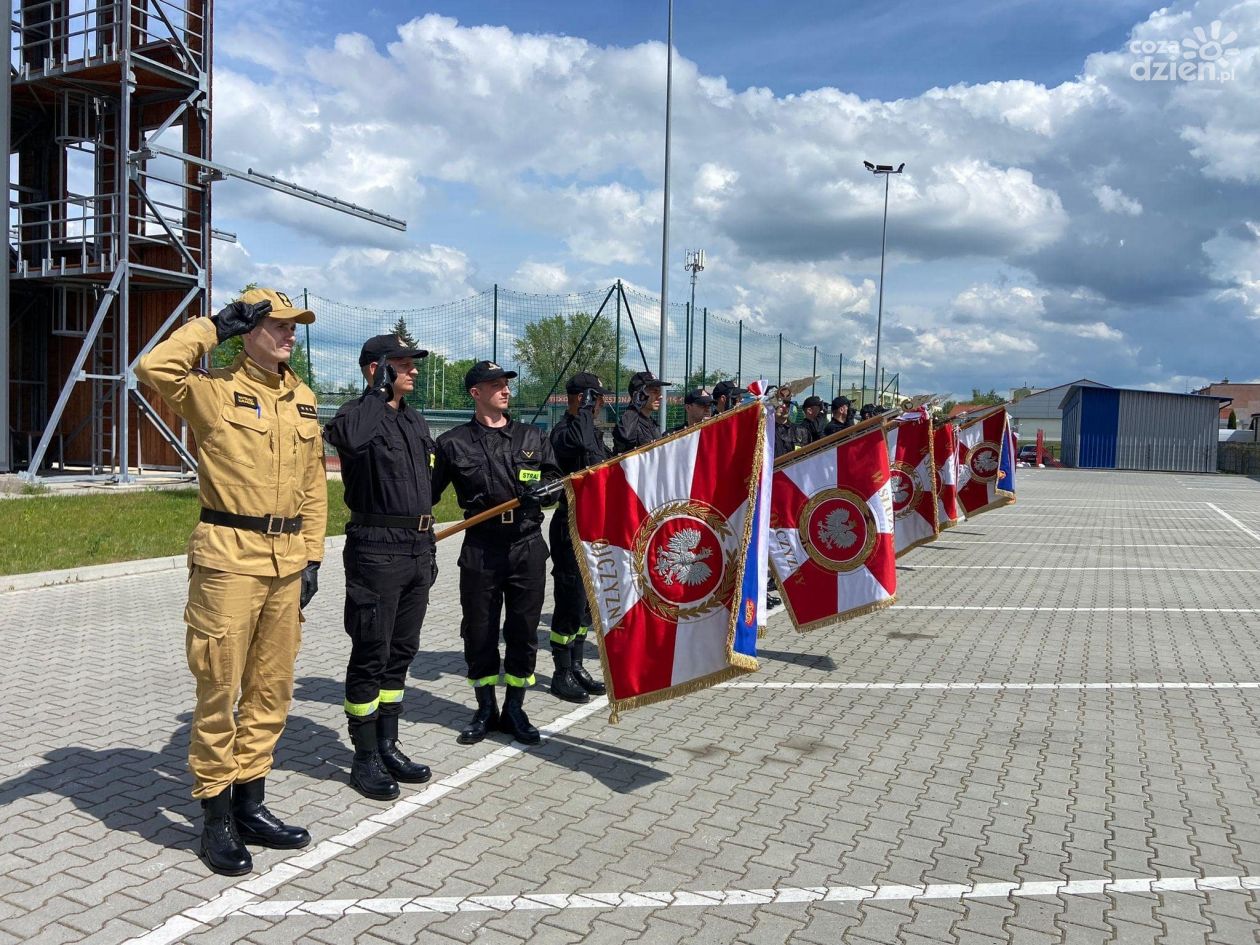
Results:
x,y
663,536
945,455
913,477
980,444
831,530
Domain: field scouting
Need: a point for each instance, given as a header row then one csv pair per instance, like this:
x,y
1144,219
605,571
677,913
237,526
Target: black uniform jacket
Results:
x,y
489,466
634,430
577,443
788,437
387,458
835,426
813,428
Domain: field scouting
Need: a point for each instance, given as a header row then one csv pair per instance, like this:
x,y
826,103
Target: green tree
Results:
x,y
1233,421
546,345
991,399
400,329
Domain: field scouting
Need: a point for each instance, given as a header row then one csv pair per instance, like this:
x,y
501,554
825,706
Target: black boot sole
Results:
x,y
523,739
220,870
254,840
374,795
411,779
576,699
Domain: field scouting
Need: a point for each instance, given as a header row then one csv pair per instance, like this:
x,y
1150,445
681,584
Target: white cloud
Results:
x,y
1114,201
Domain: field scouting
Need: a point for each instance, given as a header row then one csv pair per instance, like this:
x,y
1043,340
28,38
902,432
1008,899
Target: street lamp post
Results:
x,y
694,265
887,170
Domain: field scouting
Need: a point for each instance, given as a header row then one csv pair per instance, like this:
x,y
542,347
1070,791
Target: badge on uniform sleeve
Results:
x,y
306,410
245,400
530,475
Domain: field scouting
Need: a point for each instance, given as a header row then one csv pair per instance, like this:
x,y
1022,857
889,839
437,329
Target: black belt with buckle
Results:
x,y
267,524
419,523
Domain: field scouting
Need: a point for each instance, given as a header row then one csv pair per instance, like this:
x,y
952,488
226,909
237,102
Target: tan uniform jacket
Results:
x,y
260,452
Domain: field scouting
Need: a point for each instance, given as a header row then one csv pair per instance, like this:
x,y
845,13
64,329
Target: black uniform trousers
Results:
x,y
494,574
386,599
571,612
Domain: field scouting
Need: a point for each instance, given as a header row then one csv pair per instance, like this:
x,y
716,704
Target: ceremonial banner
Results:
x,y
675,572
913,477
831,529
986,468
945,456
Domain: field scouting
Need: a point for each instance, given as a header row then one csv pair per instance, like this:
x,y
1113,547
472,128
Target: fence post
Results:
x,y
863,384
840,377
494,331
617,348
704,348
739,357
310,357
686,342
813,372
780,359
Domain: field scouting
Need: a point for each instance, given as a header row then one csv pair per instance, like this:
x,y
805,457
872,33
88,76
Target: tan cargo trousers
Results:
x,y
243,637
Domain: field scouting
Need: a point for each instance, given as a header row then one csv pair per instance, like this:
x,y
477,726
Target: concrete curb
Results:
x,y
99,572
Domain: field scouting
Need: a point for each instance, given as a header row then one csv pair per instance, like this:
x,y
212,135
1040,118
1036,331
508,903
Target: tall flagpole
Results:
x,y
669,88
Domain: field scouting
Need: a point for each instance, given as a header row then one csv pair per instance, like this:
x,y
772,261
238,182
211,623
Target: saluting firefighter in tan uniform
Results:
x,y
253,559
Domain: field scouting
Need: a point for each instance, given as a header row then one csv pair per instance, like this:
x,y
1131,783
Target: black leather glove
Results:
x,y
239,318
383,379
310,583
590,397
539,496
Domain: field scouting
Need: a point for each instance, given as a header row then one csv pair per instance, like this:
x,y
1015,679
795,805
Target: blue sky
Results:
x,y
1058,218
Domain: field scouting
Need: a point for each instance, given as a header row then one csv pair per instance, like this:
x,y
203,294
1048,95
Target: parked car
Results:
x,y
1028,454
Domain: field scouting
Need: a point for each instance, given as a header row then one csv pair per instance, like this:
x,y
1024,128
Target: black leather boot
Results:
x,y
368,774
563,684
585,679
485,719
221,845
513,720
396,763
259,826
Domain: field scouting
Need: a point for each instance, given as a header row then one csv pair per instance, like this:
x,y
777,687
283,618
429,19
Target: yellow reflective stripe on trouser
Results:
x,y
519,681
561,639
581,632
361,709
485,681
391,695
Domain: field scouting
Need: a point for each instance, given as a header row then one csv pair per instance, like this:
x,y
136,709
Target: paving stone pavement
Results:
x,y
1040,806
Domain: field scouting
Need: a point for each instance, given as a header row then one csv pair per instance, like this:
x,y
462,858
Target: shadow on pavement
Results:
x,y
616,768
808,660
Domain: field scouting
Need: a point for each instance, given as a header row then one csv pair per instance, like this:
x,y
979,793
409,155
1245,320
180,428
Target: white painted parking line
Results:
x,y
990,686
1234,520
1074,567
247,890
727,898
1054,608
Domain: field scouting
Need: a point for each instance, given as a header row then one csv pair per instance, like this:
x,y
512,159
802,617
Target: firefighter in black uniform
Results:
x,y
788,436
697,406
841,416
387,455
813,424
491,460
726,394
577,444
636,427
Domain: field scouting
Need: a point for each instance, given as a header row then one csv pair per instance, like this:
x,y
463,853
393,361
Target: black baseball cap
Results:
x,y
728,389
646,379
840,402
699,396
583,381
485,371
811,401
380,347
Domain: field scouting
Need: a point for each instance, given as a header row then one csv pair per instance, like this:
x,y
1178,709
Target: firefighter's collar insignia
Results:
x,y
245,400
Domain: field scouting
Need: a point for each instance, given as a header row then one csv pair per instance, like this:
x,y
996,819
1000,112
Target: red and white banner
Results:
x,y
831,530
666,539
945,455
981,442
913,477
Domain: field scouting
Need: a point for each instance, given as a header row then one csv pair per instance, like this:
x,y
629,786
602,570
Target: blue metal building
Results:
x,y
1119,428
